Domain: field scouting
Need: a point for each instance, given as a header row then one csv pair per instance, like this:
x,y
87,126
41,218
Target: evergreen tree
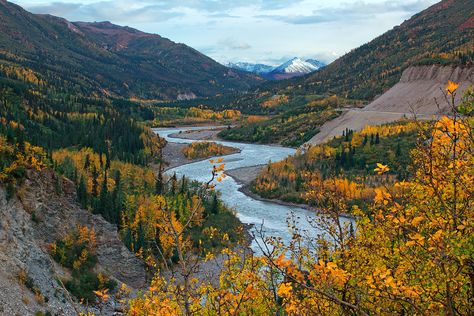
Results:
x,y
117,198
87,163
174,184
215,204
82,192
184,185
95,183
104,205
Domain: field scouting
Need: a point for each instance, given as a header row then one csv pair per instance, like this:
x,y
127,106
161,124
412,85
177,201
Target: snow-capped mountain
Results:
x,y
295,65
260,69
316,63
292,68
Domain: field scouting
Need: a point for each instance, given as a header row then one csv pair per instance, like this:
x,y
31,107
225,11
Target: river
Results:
x,y
270,216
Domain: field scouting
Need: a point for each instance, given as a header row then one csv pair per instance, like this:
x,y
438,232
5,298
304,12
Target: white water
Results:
x,y
270,216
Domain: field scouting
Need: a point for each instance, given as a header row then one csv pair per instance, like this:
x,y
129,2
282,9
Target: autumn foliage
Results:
x,y
408,253
197,150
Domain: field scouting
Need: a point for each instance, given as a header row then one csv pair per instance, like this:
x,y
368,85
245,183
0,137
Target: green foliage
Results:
x,y
103,59
292,128
442,34
346,162
77,252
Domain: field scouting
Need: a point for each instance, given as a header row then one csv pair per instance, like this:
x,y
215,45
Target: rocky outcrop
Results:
x,y
420,92
34,219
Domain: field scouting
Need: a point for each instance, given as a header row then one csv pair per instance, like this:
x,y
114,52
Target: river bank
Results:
x,y
245,175
173,152
174,157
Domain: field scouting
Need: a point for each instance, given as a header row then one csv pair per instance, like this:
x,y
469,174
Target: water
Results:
x,y
269,216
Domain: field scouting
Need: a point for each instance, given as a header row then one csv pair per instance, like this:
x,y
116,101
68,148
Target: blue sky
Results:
x,y
267,31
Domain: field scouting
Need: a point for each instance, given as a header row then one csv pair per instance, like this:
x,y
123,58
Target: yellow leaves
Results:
x,y
451,87
417,237
203,149
284,290
381,169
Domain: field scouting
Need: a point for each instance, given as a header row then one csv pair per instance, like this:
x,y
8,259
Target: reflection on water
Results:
x,y
250,211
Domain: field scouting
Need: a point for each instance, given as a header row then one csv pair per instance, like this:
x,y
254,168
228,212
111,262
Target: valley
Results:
x,y
259,214
140,176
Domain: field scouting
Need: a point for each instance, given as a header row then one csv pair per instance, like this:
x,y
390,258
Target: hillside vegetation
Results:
x,y
292,127
104,59
199,150
345,162
442,34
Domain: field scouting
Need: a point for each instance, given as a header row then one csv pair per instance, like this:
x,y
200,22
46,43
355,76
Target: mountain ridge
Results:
x,y
104,58
291,68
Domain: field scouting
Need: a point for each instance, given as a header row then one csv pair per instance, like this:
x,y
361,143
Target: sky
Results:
x,y
257,31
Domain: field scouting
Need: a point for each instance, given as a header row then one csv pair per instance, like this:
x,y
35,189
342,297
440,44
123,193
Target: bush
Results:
x,y
76,251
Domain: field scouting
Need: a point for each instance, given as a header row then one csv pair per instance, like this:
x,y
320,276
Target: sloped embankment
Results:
x,y
420,92
30,222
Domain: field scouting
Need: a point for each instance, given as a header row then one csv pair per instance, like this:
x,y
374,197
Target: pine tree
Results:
x,y
104,205
184,185
87,163
117,198
174,184
82,192
215,205
95,183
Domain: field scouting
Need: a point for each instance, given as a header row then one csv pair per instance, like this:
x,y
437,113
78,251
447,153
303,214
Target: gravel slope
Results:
x,y
419,92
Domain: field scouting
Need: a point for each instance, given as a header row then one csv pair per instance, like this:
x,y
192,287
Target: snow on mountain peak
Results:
x,y
293,67
296,65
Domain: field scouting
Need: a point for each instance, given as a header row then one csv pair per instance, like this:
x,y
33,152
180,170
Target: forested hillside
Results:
x,y
104,59
442,34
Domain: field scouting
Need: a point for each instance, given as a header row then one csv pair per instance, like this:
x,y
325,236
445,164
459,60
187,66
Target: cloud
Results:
x,y
233,44
146,10
268,31
119,11
355,11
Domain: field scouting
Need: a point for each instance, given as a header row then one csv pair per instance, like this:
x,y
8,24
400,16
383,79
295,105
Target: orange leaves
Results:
x,y
328,274
451,87
382,196
417,220
102,295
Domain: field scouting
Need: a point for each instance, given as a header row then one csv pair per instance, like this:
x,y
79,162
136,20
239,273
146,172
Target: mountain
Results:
x,y
289,69
442,34
318,64
293,68
106,59
259,69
